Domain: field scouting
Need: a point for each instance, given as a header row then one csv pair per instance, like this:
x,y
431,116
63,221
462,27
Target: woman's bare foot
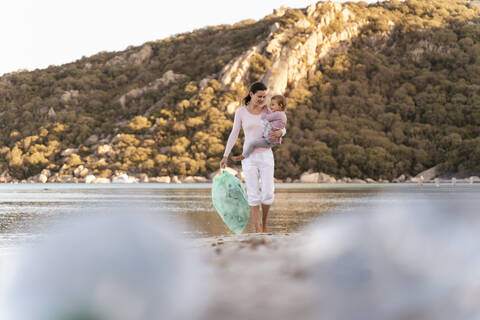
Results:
x,y
238,158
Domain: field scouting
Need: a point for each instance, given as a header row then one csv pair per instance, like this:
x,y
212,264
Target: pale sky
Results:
x,y
39,33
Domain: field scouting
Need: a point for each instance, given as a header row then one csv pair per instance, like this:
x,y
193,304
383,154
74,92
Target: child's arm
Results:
x,y
277,115
281,132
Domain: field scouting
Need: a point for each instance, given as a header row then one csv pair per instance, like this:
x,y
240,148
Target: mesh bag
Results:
x,y
230,200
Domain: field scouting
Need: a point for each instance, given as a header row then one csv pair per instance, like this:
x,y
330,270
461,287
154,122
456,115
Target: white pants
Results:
x,y
259,165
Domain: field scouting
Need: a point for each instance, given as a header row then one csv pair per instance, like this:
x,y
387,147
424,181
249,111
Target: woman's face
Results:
x,y
258,97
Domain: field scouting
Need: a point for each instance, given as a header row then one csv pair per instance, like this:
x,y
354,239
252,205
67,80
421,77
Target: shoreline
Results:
x,y
87,177
470,180
279,185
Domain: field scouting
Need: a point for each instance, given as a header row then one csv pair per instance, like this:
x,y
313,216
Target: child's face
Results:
x,y
274,106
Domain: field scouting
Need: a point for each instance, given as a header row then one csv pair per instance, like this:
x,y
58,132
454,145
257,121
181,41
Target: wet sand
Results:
x,y
257,276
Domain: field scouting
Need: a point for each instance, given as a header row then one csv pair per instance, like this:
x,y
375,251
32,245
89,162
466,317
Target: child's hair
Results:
x,y
282,102
257,86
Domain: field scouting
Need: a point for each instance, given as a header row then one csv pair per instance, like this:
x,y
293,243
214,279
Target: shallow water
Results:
x,y
27,209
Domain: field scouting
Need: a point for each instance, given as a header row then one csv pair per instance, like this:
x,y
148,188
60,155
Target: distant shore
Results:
x,y
308,177
199,180
191,180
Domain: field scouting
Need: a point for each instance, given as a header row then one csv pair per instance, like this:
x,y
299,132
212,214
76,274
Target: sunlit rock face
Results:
x,y
408,259
291,62
115,266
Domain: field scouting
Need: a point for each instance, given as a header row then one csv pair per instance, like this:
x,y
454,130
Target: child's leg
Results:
x,y
248,149
257,143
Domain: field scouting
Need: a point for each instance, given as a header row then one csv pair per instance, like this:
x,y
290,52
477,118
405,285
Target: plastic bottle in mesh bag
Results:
x,y
230,200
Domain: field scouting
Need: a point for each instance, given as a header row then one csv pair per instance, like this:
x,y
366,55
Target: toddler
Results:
x,y
275,119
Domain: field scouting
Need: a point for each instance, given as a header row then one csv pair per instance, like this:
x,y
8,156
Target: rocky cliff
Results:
x,y
294,51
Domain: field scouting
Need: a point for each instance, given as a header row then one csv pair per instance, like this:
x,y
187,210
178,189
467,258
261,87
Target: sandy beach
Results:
x,y
257,276
250,276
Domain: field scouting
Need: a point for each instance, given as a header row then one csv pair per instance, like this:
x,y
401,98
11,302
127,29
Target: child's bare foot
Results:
x,y
238,158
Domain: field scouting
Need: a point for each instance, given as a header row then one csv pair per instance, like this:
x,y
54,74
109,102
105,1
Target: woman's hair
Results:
x,y
256,86
282,102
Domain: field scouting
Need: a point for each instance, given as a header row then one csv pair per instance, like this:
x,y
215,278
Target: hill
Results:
x,y
373,90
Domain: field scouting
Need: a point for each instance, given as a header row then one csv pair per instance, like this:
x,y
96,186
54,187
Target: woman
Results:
x,y
260,164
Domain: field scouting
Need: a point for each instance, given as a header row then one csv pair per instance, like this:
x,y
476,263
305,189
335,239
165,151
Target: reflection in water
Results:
x,y
27,209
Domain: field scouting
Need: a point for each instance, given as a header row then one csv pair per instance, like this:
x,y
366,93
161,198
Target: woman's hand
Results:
x,y
223,163
275,134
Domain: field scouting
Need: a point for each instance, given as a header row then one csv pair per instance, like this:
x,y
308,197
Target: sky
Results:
x,y
36,34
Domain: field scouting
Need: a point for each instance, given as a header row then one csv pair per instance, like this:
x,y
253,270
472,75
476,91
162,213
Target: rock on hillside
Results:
x,y
290,60
167,78
138,57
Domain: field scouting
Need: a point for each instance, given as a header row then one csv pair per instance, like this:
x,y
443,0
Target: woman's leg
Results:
x,y
255,214
251,173
265,209
268,187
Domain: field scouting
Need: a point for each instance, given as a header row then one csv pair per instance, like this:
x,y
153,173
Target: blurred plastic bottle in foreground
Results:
x,y
115,267
406,260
